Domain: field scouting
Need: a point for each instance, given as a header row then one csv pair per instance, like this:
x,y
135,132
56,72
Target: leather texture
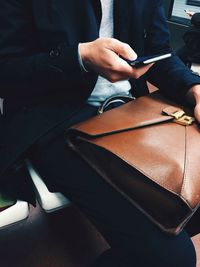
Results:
x,y
146,156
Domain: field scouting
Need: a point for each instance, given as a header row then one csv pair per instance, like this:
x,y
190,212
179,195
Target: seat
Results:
x,y
49,201
195,68
12,211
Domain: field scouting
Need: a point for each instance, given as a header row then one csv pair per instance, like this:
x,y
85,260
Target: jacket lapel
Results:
x,y
130,19
97,10
122,15
69,21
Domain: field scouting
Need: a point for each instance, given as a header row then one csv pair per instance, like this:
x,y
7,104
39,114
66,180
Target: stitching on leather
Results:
x,y
185,165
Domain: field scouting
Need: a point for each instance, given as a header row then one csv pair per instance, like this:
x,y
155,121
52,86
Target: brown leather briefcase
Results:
x,y
149,151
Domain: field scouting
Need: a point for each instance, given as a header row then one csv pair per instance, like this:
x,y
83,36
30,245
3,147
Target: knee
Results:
x,y
183,254
175,252
166,251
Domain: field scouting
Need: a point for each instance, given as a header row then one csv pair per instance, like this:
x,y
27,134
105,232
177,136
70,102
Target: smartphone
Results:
x,y
142,61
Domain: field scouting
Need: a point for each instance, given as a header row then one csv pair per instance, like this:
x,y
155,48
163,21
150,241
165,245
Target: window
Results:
x,y
177,13
193,2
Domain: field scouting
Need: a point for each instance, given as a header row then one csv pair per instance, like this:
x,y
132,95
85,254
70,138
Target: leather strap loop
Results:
x,y
115,99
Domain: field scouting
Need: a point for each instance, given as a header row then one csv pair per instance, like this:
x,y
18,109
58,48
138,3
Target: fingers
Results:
x,y
193,97
123,50
190,13
103,57
126,73
121,69
138,72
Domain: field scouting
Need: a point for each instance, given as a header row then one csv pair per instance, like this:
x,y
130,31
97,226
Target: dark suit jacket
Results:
x,y
40,78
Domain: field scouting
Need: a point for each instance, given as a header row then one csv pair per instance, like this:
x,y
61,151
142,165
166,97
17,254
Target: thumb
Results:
x,y
124,50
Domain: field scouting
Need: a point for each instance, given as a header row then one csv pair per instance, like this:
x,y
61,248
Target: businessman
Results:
x,y
59,60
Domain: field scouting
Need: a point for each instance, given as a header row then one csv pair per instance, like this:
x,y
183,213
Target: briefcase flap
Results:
x,y
138,113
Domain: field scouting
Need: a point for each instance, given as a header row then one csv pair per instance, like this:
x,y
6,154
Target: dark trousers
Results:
x,y
134,240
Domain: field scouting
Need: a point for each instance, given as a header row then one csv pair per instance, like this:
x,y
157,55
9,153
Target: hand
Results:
x,y
194,96
102,56
189,13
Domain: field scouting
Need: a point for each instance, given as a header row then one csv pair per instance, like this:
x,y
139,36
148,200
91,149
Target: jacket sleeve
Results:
x,y
195,20
170,75
26,69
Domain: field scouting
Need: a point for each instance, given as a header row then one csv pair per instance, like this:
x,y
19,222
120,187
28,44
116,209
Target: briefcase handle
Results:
x,y
120,99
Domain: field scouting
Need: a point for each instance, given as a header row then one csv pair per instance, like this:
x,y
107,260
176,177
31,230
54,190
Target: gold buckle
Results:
x,y
181,118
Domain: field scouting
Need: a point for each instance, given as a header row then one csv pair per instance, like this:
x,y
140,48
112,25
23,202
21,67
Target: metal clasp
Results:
x,y
182,118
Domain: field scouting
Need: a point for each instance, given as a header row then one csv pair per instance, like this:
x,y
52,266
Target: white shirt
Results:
x,y
103,88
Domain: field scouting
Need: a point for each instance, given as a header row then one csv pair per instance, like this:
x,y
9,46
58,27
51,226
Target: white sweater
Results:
x,y
103,88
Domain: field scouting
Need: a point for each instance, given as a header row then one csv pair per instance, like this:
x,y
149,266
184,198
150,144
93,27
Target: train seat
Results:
x,y
49,201
195,68
12,211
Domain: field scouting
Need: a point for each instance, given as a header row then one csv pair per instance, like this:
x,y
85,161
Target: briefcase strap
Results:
x,y
179,116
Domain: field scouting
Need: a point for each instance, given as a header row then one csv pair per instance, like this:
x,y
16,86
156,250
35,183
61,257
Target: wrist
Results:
x,y
81,59
195,90
83,52
193,95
